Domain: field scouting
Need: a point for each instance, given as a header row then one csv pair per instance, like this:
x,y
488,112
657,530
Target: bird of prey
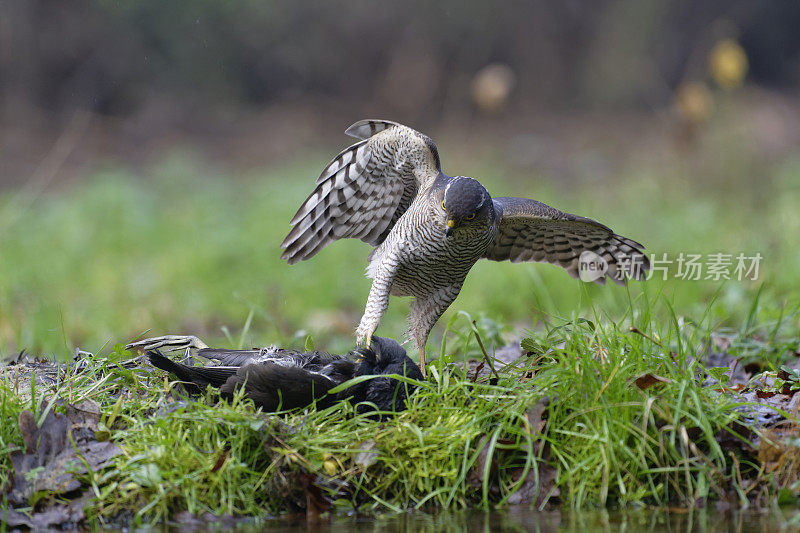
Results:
x,y
276,378
428,229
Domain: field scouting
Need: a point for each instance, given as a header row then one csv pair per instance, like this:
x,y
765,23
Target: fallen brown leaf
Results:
x,y
476,473
221,459
50,459
539,483
538,486
477,371
645,381
536,415
316,502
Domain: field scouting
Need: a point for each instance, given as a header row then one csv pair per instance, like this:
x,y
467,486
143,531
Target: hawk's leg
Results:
x,y
425,312
377,302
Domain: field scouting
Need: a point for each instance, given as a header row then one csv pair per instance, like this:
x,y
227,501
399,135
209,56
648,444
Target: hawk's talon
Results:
x,y
364,338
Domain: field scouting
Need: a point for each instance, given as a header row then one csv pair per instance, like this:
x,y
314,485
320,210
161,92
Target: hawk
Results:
x,y
428,229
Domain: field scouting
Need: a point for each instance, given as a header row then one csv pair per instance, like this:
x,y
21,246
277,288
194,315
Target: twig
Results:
x,y
483,349
634,329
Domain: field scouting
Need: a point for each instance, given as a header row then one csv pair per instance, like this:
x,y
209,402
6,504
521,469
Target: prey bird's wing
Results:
x,y
229,357
532,231
365,189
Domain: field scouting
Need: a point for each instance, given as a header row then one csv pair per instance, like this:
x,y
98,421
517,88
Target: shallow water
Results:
x,y
523,519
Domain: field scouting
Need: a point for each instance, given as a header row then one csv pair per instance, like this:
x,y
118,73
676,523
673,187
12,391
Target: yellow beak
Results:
x,y
449,230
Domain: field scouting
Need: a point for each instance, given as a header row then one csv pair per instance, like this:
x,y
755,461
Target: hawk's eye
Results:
x,y
443,207
470,217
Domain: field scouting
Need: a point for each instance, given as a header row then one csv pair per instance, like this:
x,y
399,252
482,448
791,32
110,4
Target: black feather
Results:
x,y
196,377
387,394
275,387
280,379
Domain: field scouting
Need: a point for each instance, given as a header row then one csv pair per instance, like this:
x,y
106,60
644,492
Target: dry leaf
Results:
x,y
645,381
51,459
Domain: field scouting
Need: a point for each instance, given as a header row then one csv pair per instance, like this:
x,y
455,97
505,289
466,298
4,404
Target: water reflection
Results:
x,y
522,519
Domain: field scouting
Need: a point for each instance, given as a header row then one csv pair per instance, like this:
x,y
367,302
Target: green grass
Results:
x,y
610,443
10,437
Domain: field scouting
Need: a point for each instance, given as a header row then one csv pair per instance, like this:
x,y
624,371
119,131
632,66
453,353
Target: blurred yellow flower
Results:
x,y
694,102
330,467
728,64
492,86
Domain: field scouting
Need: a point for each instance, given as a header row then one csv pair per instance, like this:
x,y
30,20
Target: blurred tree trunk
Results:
x,y
20,66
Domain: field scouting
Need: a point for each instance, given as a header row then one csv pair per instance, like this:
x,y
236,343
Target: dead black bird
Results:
x,y
276,378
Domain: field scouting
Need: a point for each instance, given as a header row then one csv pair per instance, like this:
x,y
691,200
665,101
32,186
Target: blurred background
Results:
x,y
152,153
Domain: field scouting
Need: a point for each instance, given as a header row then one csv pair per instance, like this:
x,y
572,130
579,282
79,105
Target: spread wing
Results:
x,y
532,231
365,189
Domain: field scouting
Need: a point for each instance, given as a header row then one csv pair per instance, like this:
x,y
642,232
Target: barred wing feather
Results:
x,y
365,189
532,231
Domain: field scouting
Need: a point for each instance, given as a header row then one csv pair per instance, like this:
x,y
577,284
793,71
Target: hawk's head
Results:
x,y
466,204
